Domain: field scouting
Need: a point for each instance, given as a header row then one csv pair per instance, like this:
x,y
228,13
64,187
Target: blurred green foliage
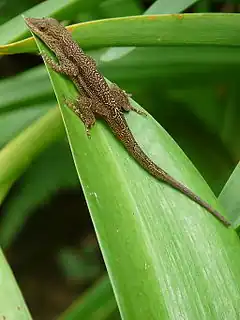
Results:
x,y
191,90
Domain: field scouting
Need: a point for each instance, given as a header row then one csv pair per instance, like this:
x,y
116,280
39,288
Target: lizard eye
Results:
x,y
43,27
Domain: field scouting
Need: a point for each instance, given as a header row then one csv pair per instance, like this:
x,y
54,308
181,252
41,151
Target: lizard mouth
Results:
x,y
36,25
29,22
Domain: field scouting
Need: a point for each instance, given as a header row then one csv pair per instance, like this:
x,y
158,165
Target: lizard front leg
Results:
x,y
82,108
66,67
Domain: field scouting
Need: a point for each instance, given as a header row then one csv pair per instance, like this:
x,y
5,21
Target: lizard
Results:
x,y
98,99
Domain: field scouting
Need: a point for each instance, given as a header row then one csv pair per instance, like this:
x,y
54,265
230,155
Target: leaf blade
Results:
x,y
174,30
149,233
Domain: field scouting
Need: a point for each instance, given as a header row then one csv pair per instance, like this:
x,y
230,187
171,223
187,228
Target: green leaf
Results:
x,y
4,190
123,8
29,87
174,29
229,197
158,246
156,30
12,305
28,144
43,178
98,303
166,6
14,121
158,7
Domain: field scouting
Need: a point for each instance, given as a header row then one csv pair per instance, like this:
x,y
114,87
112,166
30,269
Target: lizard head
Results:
x,y
46,28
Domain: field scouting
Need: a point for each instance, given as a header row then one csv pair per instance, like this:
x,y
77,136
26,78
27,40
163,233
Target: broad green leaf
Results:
x,y
98,303
25,89
229,197
4,190
120,8
12,305
14,121
230,133
158,7
166,6
18,154
158,246
173,30
175,67
43,178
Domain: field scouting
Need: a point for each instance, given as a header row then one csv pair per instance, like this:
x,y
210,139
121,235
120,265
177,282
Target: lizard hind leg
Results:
x,y
82,108
121,97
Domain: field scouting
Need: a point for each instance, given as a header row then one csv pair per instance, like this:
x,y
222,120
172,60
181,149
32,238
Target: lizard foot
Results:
x,y
127,94
81,107
88,132
143,113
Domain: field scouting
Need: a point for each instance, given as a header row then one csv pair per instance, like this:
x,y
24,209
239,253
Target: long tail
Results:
x,y
121,130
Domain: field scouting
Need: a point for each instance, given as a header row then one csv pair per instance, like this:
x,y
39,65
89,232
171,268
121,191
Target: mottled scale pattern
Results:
x,y
97,83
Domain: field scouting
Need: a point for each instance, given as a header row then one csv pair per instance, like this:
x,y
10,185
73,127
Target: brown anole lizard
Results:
x,y
97,98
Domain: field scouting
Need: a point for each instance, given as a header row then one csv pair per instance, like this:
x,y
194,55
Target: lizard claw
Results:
x,y
42,54
127,94
138,111
69,103
64,99
143,113
88,133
